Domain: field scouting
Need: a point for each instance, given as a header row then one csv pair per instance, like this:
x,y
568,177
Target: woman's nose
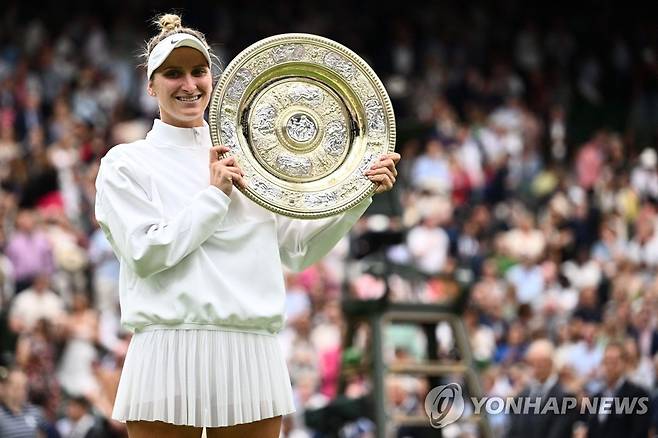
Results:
x,y
188,83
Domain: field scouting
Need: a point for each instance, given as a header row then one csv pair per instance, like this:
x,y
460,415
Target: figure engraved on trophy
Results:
x,y
375,115
315,199
287,52
367,161
228,132
264,118
349,187
294,166
259,65
266,189
340,64
240,82
335,138
301,128
311,95
306,117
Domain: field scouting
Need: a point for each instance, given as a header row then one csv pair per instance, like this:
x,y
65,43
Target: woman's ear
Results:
x,y
149,88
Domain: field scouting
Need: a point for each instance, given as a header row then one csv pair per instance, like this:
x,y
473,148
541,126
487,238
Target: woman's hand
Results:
x,y
224,173
383,173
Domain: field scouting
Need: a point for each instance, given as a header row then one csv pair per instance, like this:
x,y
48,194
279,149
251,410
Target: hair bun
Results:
x,y
169,22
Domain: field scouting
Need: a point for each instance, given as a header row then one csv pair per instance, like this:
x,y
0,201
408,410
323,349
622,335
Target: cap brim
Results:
x,y
163,49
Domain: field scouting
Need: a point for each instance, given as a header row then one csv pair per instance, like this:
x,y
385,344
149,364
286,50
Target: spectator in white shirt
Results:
x,y
35,303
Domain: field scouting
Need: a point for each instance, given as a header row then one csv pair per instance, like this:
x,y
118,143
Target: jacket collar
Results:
x,y
164,134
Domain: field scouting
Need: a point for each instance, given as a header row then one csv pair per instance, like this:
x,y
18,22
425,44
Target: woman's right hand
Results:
x,y
226,172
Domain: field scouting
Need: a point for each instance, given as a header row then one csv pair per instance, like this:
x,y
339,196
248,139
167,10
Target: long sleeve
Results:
x,y
303,242
134,223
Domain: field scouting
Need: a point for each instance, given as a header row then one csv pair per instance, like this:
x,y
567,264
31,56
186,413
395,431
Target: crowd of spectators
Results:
x,y
529,170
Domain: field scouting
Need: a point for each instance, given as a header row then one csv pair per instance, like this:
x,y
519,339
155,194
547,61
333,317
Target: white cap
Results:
x,y
161,50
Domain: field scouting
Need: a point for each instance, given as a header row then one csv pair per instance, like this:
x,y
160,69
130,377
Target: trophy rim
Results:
x,y
219,92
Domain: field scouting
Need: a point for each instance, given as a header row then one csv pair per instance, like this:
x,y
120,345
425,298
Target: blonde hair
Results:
x,y
170,24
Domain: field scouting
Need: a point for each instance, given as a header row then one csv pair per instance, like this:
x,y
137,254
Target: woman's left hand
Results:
x,y
383,173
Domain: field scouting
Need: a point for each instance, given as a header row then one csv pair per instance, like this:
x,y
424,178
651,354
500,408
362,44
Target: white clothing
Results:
x,y
30,306
522,243
75,372
582,276
429,247
646,253
203,378
190,256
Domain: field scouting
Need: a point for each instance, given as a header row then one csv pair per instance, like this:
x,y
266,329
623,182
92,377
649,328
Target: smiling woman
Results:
x,y
204,351
183,85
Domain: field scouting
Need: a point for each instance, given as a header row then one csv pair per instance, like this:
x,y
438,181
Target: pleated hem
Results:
x,y
203,378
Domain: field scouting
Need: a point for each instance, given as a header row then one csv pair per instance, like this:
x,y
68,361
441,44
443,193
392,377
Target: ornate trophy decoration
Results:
x,y
305,117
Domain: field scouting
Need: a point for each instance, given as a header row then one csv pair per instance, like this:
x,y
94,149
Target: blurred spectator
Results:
x,y
640,368
19,418
298,347
559,298
431,170
482,338
545,384
326,338
643,248
105,271
589,162
9,149
582,272
644,332
69,253
80,331
524,240
584,355
428,244
608,251
529,176
513,348
78,423
615,424
28,250
527,280
6,281
35,303
644,177
36,354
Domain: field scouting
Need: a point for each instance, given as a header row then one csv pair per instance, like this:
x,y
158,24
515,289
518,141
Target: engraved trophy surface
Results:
x,y
305,117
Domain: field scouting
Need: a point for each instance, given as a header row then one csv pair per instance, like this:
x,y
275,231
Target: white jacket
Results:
x,y
192,257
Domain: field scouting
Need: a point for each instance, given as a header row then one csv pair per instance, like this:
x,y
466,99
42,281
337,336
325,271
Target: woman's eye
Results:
x,y
172,74
199,72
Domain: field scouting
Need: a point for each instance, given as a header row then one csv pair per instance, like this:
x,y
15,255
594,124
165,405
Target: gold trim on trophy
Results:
x,y
305,118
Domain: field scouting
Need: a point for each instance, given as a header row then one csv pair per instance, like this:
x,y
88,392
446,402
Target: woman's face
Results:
x,y
182,85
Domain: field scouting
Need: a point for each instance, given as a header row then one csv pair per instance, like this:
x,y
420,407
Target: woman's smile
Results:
x,y
182,85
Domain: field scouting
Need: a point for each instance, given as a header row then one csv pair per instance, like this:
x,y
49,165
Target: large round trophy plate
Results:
x,y
305,118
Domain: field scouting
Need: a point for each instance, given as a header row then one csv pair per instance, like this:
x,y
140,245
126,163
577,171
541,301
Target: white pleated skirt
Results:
x,y
203,378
